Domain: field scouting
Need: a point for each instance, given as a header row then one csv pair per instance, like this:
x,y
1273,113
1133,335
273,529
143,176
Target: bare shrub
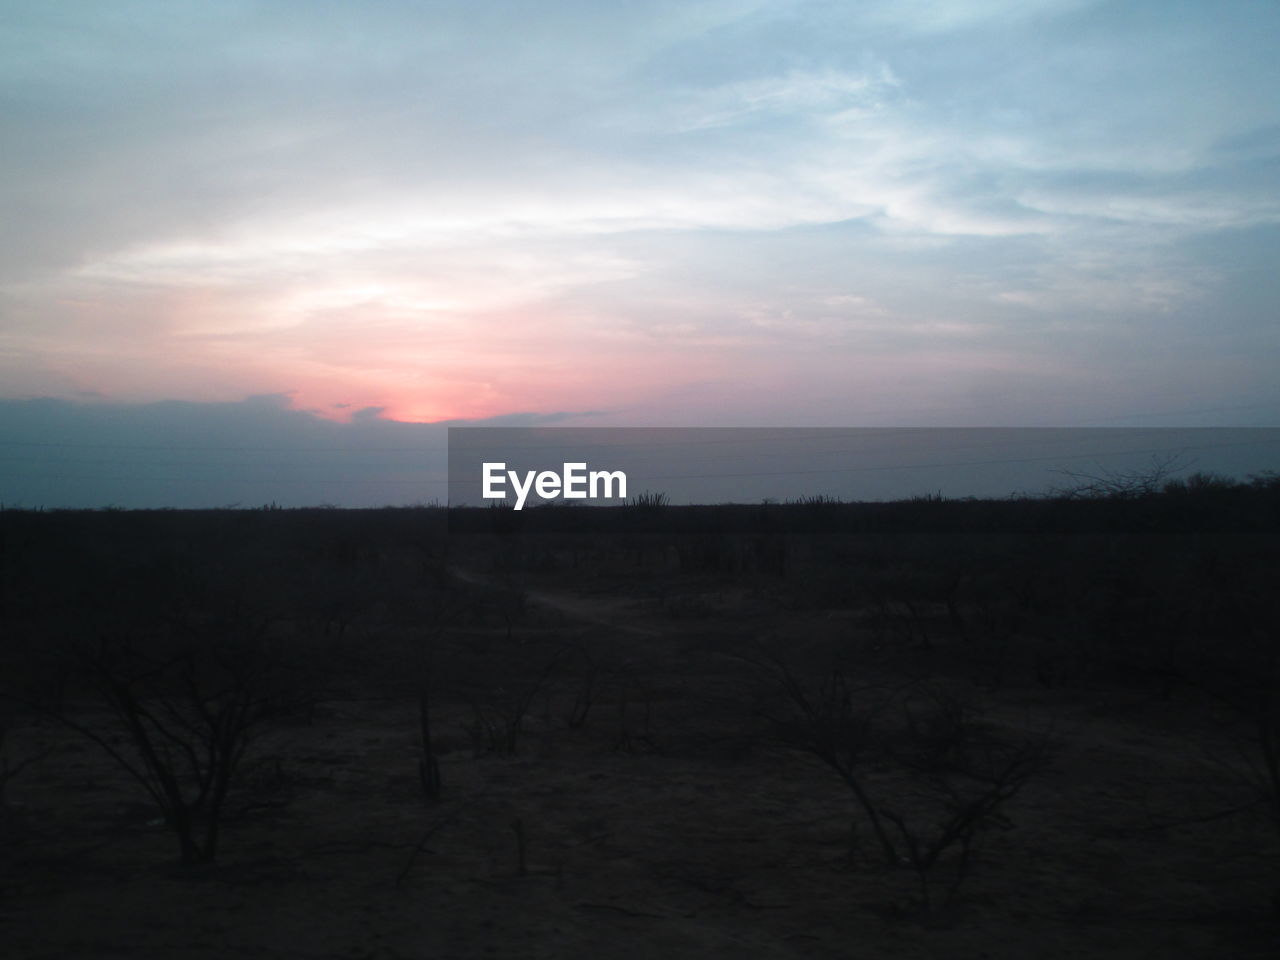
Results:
x,y
10,766
964,774
444,602
1248,684
1138,483
836,722
584,697
927,774
188,712
635,713
497,726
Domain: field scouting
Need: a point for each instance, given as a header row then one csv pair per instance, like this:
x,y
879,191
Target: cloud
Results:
x,y
462,210
59,453
947,16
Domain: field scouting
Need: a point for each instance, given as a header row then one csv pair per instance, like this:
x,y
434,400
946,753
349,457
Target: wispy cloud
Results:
x,y
472,209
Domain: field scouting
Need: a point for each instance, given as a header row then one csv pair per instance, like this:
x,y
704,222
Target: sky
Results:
x,y
323,230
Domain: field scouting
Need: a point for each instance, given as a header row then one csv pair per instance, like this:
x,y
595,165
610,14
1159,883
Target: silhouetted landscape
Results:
x,y
640,480
966,728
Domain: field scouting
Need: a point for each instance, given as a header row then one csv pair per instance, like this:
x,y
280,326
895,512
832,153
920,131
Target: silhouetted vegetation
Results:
x,y
919,650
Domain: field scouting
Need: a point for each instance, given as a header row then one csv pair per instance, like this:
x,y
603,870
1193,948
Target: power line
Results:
x,y
196,446
225,480
690,476
197,463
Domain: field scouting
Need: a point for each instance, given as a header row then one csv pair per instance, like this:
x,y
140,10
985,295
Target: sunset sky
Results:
x,y
322,226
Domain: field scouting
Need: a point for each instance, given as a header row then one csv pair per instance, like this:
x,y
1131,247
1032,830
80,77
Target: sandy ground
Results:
x,y
663,832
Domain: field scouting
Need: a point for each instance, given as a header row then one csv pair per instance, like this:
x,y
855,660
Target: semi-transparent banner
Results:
x,y
524,467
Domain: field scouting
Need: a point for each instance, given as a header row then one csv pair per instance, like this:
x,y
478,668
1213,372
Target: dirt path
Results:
x,y
609,612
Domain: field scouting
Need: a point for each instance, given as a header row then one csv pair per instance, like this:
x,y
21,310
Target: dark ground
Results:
x,y
683,814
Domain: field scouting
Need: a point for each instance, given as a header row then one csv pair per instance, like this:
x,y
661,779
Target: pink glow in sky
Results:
x,y
710,212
